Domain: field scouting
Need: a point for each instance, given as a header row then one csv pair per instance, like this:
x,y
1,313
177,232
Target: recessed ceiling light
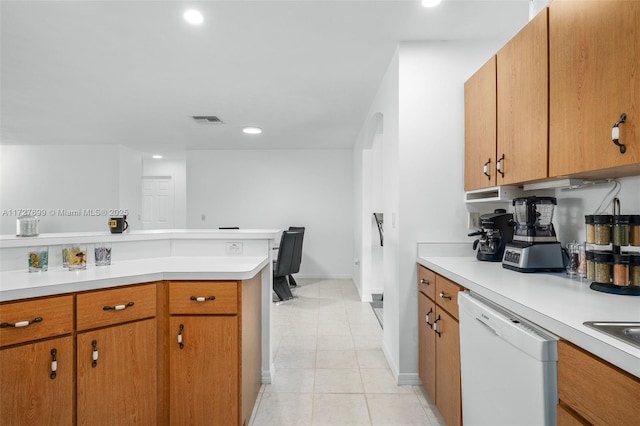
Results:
x,y
430,3
156,156
193,17
252,130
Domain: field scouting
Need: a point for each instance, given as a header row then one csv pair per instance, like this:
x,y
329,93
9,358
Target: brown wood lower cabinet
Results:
x,y
215,357
117,359
439,343
592,391
119,387
203,375
31,393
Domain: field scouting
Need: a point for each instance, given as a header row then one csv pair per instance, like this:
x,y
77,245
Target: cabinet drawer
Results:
x,y
203,297
427,282
56,314
114,306
596,390
447,295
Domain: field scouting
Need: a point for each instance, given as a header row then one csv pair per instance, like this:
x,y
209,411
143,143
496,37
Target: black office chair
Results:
x,y
288,262
297,251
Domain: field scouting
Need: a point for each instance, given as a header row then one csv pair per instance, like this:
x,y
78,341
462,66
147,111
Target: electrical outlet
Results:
x,y
234,248
474,220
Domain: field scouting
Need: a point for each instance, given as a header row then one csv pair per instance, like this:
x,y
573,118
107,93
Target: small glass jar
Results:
x,y
591,229
591,265
603,261
634,230
634,269
621,269
620,230
602,229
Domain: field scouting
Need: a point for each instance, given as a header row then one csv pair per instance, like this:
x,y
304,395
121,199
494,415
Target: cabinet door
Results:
x,y
31,395
593,64
204,372
448,399
427,344
120,387
523,95
480,128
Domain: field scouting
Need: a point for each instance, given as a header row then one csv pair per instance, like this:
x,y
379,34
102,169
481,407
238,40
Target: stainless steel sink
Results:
x,y
626,331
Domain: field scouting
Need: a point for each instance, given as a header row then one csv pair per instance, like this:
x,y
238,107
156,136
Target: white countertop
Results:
x,y
553,301
21,284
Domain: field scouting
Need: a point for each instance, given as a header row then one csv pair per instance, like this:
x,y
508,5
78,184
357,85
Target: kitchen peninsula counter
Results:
x,y
20,284
551,300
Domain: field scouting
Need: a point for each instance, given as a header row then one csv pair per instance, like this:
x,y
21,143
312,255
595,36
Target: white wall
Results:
x,y
422,101
59,177
278,189
130,190
177,169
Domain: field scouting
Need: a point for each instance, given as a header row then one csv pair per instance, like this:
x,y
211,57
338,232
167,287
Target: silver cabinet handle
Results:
x,y
425,281
443,295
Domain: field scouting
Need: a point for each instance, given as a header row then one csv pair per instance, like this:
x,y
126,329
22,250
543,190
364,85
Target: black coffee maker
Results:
x,y
496,231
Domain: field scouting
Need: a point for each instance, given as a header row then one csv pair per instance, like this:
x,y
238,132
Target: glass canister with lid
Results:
x,y
591,265
620,234
621,269
591,229
602,229
634,269
603,261
634,229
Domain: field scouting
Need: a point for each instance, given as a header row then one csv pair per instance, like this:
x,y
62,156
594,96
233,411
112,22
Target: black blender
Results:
x,y
496,230
535,247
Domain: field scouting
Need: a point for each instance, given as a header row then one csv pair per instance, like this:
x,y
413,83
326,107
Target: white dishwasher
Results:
x,y
508,367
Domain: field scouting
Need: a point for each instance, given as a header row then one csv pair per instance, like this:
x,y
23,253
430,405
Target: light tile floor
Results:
x,y
330,368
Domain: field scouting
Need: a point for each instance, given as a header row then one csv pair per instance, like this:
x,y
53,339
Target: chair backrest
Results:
x,y
289,253
297,252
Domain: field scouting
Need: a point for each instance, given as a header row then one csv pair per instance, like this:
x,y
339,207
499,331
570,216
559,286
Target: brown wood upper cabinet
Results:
x,y
480,128
506,112
522,104
593,68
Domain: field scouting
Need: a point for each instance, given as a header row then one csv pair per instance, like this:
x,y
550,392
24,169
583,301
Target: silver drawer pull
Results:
x,y
424,281
202,299
21,323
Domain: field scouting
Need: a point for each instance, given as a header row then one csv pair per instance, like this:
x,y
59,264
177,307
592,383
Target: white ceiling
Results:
x,y
133,72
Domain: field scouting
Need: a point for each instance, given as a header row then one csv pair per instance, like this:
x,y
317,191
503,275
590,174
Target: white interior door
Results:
x,y
157,202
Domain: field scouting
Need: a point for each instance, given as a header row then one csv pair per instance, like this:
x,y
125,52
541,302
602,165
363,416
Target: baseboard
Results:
x,y
267,376
323,277
412,379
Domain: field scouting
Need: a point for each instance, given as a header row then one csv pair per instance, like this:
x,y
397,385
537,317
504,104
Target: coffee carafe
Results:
x,y
496,230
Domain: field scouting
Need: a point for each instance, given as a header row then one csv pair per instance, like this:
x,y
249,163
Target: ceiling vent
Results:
x,y
207,119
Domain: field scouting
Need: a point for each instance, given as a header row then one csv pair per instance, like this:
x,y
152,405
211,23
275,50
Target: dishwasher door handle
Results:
x,y
493,330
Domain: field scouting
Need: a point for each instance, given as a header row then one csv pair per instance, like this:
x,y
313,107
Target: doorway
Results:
x,y
157,202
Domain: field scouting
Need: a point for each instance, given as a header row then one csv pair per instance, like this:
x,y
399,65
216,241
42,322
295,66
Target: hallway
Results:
x,y
330,368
